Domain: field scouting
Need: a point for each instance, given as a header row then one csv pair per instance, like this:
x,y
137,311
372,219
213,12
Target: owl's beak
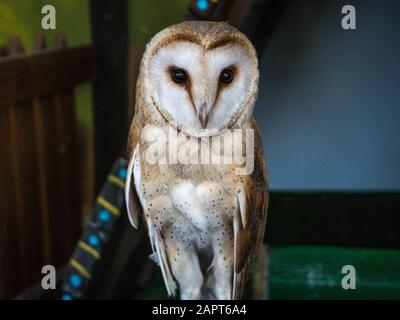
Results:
x,y
203,115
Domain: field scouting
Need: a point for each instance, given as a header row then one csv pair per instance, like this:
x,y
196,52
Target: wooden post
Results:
x,y
109,24
40,207
255,18
260,21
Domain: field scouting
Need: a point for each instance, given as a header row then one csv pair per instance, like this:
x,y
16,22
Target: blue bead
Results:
x,y
202,5
75,280
66,296
94,240
104,215
122,173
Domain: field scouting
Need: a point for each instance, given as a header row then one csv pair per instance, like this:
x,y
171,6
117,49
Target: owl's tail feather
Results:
x,y
159,248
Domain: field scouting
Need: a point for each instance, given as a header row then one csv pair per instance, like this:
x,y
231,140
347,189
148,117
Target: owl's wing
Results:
x,y
249,223
134,208
132,201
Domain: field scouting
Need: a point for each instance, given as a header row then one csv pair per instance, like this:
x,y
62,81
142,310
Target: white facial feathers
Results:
x,y
230,97
203,102
172,97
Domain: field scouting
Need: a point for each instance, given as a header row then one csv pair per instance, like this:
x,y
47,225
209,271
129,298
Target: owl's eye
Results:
x,y
226,76
179,76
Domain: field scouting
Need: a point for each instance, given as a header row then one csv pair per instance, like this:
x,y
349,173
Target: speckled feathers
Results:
x,y
204,221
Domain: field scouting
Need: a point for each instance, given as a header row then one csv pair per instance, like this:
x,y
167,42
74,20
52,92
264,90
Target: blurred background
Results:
x,y
328,110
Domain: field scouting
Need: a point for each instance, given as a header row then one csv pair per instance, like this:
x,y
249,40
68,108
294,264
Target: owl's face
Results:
x,y
204,79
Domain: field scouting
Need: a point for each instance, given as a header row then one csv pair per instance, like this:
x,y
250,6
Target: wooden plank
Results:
x,y
69,171
27,211
28,240
40,44
68,154
10,263
54,213
41,169
59,182
40,207
26,76
109,22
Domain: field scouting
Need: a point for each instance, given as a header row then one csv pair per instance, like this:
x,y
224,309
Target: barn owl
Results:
x,y
195,92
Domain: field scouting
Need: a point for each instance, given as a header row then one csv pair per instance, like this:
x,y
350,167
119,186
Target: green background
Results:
x,y
23,18
316,273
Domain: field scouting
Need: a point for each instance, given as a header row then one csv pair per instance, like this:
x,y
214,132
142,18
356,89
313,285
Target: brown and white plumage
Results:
x,y
204,221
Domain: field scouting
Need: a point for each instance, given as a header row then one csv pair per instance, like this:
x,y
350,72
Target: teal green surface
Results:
x,y
316,273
